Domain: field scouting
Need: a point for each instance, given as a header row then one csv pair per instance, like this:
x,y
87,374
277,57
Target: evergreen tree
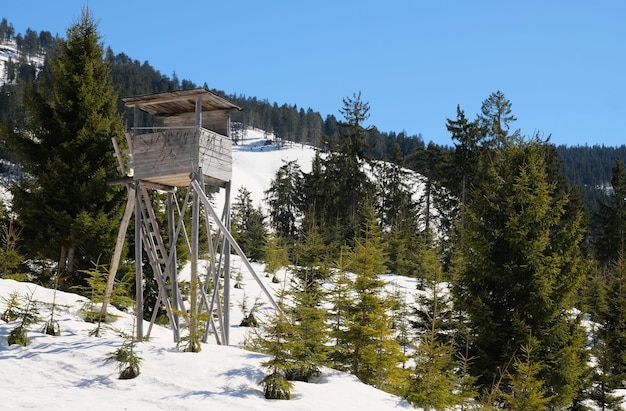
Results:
x,y
127,361
284,198
527,392
522,269
604,380
433,383
611,240
27,314
611,317
310,331
64,205
368,347
493,122
274,343
338,183
341,298
248,225
398,214
466,133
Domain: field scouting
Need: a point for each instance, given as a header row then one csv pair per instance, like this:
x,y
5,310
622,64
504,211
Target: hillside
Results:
x,y
69,371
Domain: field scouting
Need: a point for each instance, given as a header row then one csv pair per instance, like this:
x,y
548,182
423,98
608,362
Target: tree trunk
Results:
x,y
62,261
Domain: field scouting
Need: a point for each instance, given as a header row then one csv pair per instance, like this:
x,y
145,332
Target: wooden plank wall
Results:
x,y
169,157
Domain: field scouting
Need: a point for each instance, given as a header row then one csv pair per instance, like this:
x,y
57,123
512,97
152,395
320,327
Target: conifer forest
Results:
x,y
517,245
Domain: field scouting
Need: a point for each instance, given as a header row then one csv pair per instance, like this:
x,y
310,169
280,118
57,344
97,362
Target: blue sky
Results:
x,y
562,64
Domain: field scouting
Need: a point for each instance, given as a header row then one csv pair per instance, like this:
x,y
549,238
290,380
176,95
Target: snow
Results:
x,y
69,372
9,52
255,163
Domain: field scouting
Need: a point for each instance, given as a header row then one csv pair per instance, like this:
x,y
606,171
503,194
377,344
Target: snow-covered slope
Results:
x,y
255,163
8,52
69,372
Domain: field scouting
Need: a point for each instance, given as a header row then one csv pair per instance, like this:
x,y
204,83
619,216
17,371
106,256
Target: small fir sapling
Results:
x,y
51,326
95,290
12,307
10,258
127,361
249,319
274,343
238,280
27,314
194,322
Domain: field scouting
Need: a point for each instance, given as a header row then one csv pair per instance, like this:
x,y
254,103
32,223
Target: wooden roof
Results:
x,y
174,103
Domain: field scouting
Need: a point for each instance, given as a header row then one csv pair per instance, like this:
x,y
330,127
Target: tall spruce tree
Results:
x,y
67,211
610,314
284,198
310,331
368,347
610,242
398,214
494,120
338,183
465,154
522,269
433,382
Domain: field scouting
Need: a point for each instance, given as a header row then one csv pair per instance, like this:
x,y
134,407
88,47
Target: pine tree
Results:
x,y
523,266
433,383
611,240
611,316
370,350
466,133
27,314
10,257
605,382
341,298
276,257
248,225
310,332
96,279
526,392
11,311
398,214
338,182
274,343
127,361
284,199
494,119
65,207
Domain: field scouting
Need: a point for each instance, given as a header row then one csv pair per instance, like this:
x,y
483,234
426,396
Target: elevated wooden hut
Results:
x,y
194,138
192,147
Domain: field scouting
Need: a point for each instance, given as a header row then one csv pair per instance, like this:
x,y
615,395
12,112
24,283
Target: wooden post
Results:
x,y
199,112
173,268
117,253
226,253
138,246
207,204
138,263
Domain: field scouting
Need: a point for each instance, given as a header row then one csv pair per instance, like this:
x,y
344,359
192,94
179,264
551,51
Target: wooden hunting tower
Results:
x,y
192,148
195,136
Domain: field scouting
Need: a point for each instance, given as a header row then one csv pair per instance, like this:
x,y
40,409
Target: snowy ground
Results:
x,y
255,163
69,372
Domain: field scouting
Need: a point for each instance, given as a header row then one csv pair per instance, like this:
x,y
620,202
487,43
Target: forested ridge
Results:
x,y
514,242
585,166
